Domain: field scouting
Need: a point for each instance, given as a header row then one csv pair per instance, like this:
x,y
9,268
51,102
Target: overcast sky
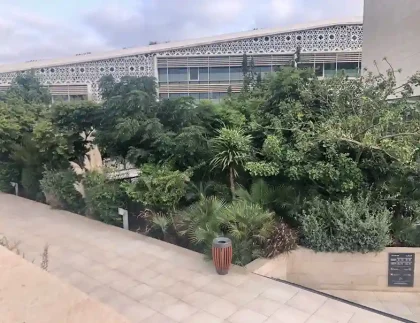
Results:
x,y
40,29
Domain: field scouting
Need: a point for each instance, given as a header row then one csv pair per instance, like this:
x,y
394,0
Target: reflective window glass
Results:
x,y
219,74
162,75
178,74
350,68
204,74
193,73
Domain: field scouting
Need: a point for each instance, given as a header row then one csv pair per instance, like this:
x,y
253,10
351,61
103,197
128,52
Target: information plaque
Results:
x,y
401,269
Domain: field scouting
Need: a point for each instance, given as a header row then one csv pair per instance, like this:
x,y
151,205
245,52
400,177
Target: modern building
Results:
x,y
202,68
391,30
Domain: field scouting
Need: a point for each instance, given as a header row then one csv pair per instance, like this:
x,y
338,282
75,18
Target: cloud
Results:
x,y
109,24
27,36
163,20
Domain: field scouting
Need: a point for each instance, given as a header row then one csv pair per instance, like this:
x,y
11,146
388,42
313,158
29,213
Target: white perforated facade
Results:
x,y
205,66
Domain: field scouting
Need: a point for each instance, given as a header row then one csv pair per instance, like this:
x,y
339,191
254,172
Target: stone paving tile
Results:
x,y
221,308
180,289
139,291
158,318
137,312
263,305
203,317
247,316
179,311
288,314
306,301
150,281
159,301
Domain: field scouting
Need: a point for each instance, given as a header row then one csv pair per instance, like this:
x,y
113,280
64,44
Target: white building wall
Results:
x,y
392,29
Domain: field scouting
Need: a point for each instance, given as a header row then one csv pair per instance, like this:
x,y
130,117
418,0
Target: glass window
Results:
x,y
319,69
195,95
162,75
193,73
203,96
350,68
59,98
329,69
236,74
78,97
204,74
178,74
163,95
264,70
219,74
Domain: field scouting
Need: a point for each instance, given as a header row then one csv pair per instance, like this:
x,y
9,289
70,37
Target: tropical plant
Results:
x,y
249,227
232,148
259,193
202,222
158,224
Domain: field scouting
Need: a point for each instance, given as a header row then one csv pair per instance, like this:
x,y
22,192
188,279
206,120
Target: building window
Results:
x,y
163,75
203,96
236,74
319,69
193,73
330,69
204,74
219,74
351,69
177,95
178,74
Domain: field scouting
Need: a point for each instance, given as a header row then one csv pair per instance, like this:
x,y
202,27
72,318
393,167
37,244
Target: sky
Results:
x,y
42,29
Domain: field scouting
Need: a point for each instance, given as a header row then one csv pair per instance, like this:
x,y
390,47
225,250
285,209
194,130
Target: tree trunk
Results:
x,y
232,181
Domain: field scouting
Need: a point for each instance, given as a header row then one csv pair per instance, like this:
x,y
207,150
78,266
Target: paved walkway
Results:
x,y
150,281
405,305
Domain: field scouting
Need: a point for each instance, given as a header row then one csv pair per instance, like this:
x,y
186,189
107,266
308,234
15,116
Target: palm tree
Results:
x,y
203,221
232,148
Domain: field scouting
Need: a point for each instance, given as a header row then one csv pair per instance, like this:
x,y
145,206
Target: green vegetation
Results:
x,y
331,164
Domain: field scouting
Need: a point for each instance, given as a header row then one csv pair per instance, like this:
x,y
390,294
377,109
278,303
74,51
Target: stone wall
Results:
x,y
336,271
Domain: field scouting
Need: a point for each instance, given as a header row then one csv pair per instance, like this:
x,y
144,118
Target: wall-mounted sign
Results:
x,y
401,269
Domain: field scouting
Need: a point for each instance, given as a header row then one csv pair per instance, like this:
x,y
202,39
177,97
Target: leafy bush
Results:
x,y
103,197
282,239
406,231
346,225
30,178
8,173
59,191
159,187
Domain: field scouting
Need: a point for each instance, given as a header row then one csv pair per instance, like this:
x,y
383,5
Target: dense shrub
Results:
x,y
103,197
406,231
346,225
9,172
58,188
159,187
